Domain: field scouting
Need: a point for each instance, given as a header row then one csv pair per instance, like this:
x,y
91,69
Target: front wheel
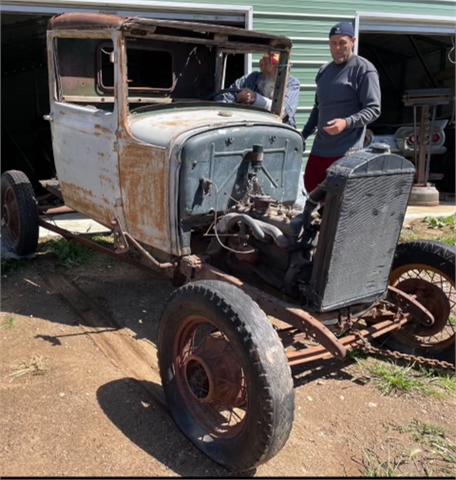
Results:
x,y
225,374
426,270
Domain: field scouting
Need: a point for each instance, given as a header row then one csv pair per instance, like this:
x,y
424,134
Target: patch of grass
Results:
x,y
424,432
374,467
9,324
104,240
391,378
35,366
355,355
446,450
10,265
441,451
70,254
440,222
408,236
394,378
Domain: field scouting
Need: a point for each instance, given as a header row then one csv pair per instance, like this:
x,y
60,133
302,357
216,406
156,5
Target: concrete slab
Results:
x,y
445,209
74,222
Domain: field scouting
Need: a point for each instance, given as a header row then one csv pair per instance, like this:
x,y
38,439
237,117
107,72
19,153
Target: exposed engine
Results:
x,y
327,257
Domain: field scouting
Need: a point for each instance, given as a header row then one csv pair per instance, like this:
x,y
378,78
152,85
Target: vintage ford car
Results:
x,y
204,192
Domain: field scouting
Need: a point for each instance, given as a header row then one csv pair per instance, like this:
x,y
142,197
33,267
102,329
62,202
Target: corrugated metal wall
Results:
x,y
307,23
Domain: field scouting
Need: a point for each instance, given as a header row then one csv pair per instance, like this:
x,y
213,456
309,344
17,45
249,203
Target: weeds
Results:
x,y
424,432
35,366
354,355
392,378
104,240
10,265
9,324
374,467
70,254
440,448
440,222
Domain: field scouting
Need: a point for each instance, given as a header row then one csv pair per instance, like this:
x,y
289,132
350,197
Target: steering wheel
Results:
x,y
221,92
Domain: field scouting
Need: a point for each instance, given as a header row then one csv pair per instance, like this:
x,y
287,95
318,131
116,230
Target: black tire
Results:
x,y
20,226
251,350
428,262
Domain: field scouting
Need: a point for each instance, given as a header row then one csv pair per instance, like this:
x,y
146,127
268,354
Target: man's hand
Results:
x,y
246,96
334,127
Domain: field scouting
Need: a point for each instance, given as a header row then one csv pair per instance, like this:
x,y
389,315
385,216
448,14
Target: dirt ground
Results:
x,y
81,394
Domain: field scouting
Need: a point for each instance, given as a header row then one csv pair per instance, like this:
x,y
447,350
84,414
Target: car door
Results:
x,y
84,123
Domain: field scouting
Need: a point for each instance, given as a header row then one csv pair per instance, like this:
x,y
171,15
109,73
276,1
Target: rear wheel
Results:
x,y
19,213
225,374
426,270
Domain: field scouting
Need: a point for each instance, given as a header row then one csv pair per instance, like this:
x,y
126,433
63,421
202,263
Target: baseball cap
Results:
x,y
342,28
273,58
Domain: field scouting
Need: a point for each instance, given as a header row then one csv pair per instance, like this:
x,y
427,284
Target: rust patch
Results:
x,y
102,129
144,182
97,134
86,202
62,112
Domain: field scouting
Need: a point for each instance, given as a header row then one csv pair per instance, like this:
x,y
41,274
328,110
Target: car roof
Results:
x,y
169,28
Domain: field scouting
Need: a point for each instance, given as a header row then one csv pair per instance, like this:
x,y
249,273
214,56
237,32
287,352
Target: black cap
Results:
x,y
342,28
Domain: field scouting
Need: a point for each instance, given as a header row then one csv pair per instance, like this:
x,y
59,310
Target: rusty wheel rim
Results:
x,y
435,291
10,217
210,377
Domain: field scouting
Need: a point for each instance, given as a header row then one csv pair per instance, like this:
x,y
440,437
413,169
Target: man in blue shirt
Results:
x,y
257,89
347,99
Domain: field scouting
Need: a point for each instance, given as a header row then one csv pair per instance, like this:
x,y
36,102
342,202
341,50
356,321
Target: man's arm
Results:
x,y
240,83
312,121
369,97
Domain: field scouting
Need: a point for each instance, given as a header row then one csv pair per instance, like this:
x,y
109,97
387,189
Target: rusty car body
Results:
x,y
204,192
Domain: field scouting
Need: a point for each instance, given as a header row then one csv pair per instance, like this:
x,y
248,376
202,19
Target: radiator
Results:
x,y
366,201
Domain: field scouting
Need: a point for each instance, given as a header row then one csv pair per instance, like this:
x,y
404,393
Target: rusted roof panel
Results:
x,y
72,21
225,34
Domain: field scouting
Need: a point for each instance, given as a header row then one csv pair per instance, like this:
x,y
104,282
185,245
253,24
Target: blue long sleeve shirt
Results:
x,y
350,91
251,81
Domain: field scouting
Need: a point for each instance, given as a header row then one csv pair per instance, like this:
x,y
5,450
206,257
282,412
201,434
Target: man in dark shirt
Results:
x,y
347,99
257,89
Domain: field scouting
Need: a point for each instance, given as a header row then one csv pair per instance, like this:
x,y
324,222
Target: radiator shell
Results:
x,y
366,202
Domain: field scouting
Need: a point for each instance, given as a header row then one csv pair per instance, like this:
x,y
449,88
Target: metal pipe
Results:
x,y
95,246
349,342
55,210
259,228
144,252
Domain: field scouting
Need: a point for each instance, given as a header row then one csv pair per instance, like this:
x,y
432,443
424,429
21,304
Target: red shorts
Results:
x,y
315,171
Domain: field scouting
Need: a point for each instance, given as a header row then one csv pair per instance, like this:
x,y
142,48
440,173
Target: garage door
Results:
x,y
400,24
239,16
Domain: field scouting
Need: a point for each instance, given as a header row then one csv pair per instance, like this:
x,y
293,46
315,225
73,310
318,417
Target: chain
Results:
x,y
428,362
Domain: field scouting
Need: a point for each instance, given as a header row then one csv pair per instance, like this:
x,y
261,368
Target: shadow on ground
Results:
x,y
149,425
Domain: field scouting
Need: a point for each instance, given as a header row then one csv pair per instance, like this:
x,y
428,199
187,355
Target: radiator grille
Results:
x,y
360,228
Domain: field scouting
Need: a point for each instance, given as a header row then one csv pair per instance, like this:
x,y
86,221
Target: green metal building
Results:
x,y
380,25
411,42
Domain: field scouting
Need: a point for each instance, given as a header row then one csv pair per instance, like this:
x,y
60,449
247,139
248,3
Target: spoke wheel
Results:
x,y
426,271
19,213
225,374
210,377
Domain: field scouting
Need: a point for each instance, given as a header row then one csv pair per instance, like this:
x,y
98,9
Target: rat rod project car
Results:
x,y
205,192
